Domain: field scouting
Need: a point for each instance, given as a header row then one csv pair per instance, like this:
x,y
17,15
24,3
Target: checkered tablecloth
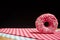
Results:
x,y
31,33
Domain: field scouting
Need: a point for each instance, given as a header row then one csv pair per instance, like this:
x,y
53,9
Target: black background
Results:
x,y
25,14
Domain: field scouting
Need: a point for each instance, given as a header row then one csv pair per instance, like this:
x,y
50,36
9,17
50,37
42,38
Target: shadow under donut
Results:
x,y
40,33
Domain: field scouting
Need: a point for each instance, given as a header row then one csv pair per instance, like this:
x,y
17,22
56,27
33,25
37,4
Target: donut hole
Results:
x,y
46,24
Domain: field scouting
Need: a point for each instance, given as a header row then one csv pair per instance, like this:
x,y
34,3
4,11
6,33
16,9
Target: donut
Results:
x,y
46,23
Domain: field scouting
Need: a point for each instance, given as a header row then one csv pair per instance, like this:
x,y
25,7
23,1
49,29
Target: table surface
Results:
x,y
31,33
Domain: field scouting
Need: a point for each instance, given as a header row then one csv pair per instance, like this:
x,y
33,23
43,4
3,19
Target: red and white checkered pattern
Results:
x,y
31,33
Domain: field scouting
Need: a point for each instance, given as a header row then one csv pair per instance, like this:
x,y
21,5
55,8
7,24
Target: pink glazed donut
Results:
x,y
46,23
